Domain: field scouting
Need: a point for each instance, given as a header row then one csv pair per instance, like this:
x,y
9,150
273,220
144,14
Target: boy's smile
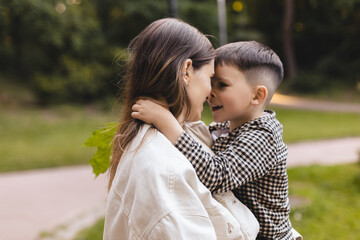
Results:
x,y
231,95
215,107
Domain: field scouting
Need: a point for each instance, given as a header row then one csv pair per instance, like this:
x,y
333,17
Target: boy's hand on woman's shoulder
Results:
x,y
154,112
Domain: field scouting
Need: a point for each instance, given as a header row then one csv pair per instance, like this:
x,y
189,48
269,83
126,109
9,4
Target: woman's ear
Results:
x,y
186,71
260,95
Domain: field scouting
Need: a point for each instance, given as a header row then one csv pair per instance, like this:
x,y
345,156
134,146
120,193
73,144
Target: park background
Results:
x,y
61,62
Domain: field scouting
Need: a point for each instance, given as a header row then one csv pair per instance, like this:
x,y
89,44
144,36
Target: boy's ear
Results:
x,y
186,70
260,95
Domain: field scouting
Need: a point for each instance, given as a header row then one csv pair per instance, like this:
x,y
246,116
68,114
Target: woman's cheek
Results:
x,y
208,88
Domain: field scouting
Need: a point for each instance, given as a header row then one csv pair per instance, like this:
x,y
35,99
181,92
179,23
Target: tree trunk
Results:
x,y
17,40
221,5
173,9
290,63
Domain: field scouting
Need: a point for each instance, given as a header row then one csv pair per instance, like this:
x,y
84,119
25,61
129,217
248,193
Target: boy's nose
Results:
x,y
211,95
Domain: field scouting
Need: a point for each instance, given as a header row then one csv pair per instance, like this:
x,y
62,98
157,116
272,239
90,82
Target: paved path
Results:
x,y
325,152
32,202
302,103
36,201
65,200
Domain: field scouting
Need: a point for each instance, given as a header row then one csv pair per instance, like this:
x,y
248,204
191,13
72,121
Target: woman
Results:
x,y
154,192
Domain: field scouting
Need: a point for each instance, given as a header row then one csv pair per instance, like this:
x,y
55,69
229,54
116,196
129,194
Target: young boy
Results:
x,y
250,155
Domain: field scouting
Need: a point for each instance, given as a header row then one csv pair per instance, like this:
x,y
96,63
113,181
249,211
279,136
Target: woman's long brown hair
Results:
x,y
156,57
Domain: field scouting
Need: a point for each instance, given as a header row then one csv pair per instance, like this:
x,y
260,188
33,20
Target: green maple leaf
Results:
x,y
102,139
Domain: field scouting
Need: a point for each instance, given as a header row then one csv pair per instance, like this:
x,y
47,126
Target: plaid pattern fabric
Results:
x,y
251,162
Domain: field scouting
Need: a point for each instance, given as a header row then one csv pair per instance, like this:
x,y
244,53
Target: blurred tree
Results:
x,y
203,15
65,49
327,36
240,26
325,39
45,42
122,20
173,8
221,6
287,39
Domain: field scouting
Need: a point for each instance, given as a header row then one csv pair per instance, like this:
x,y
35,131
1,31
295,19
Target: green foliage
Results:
x,y
325,36
47,30
57,48
75,81
102,139
333,27
71,44
201,14
122,20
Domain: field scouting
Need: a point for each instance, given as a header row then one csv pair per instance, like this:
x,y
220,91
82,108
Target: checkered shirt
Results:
x,y
251,162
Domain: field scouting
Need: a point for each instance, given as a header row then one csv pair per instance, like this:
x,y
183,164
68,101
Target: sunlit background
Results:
x,y
61,61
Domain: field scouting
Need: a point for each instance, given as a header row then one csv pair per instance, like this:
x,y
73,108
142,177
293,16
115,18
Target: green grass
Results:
x,y
40,138
300,125
35,138
94,232
333,194
332,209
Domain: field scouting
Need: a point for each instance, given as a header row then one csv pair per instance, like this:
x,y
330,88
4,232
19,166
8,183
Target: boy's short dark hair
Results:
x,y
259,63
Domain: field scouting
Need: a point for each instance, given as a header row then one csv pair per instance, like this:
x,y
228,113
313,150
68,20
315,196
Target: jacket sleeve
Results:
x,y
193,212
177,225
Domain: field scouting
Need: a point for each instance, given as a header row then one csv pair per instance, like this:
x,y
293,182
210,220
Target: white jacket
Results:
x,y
157,195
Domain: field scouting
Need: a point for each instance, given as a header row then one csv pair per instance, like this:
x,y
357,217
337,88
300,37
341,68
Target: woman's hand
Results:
x,y
152,112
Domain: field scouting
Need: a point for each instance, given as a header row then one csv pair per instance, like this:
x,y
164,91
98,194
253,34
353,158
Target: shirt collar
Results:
x,y
267,115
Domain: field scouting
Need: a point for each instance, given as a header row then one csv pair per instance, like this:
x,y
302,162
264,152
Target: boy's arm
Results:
x,y
153,113
251,157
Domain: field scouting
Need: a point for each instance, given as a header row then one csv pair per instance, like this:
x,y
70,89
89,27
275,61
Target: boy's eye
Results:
x,y
222,85
216,83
